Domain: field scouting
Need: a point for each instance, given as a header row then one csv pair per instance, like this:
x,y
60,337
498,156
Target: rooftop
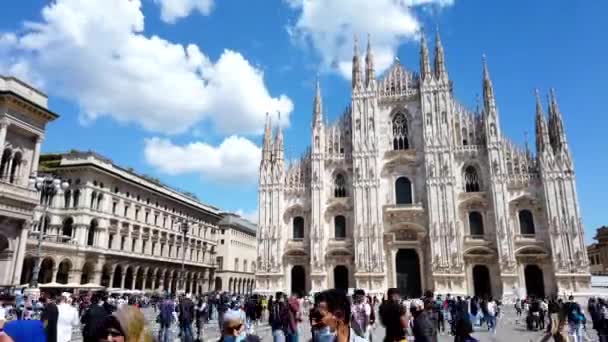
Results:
x,y
235,221
16,86
53,161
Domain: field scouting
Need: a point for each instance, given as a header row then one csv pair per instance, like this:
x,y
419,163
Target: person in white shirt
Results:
x,y
492,316
67,319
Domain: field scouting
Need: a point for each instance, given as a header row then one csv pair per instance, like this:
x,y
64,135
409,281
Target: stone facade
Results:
x,y
236,255
118,229
410,189
598,252
24,115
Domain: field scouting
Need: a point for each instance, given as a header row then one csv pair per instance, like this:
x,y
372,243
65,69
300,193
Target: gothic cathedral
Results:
x,y
410,189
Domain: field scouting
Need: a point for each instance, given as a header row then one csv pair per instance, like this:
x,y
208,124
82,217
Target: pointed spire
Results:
x,y
425,64
488,89
356,77
317,116
267,147
369,62
542,137
440,70
278,143
556,124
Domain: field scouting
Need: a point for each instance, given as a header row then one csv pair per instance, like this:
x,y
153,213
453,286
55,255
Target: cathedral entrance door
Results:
x,y
535,285
341,278
298,280
481,281
407,267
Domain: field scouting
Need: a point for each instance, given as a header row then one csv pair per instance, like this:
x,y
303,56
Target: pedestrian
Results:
x,y
331,318
462,324
576,320
93,319
361,312
424,328
278,318
201,317
165,319
127,324
49,317
234,329
393,317
293,305
186,317
67,318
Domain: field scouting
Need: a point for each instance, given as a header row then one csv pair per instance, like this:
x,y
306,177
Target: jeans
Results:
x,y
278,335
491,322
576,331
186,329
164,334
292,337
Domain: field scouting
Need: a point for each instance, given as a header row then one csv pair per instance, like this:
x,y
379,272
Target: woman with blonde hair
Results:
x,y
125,325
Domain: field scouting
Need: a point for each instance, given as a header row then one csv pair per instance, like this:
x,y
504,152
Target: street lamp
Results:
x,y
185,228
47,186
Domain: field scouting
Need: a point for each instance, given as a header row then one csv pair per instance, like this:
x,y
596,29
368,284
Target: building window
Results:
x,y
110,241
222,241
298,228
93,200
170,251
143,247
114,204
475,223
123,240
339,186
66,199
526,222
146,216
153,248
471,179
137,214
244,265
220,263
339,227
126,210
236,264
162,249
76,198
400,141
403,191
133,242
155,219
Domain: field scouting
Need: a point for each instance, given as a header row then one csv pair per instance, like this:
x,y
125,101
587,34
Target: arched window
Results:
x,y
403,191
67,229
236,264
340,227
475,223
91,233
339,186
400,141
6,156
471,179
93,199
298,227
99,201
526,222
244,265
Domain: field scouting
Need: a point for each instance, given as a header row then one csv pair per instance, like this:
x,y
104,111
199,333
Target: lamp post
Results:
x,y
47,186
185,228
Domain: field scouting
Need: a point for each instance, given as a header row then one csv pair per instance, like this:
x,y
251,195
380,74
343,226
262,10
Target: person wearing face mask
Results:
x,y
331,318
234,329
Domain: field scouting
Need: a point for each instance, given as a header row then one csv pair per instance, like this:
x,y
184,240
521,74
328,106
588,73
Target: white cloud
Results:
x,y
235,160
329,26
96,53
250,215
172,10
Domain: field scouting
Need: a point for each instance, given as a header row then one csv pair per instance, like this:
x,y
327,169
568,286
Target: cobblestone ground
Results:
x,y
510,329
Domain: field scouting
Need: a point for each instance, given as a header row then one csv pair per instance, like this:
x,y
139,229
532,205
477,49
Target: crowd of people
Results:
x,y
332,315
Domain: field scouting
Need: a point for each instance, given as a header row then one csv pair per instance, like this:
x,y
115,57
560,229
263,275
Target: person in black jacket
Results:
x,y
49,317
186,317
462,324
424,324
93,319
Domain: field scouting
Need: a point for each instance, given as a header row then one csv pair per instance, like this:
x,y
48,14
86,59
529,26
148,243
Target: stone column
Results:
x,y
55,271
19,254
97,277
123,275
111,279
3,130
75,275
36,156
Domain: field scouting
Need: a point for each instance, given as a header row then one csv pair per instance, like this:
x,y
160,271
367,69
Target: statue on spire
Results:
x,y
440,70
369,63
356,77
425,64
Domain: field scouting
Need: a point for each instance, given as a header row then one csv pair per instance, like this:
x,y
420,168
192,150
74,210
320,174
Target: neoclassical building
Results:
x,y
121,230
236,255
410,189
24,115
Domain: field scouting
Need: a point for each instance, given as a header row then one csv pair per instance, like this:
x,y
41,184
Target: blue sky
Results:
x,y
178,89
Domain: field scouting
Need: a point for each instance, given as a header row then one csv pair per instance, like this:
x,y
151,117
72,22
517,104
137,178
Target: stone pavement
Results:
x,y
510,329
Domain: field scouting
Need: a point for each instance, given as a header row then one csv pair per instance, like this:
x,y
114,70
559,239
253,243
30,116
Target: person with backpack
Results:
x,y
279,318
576,320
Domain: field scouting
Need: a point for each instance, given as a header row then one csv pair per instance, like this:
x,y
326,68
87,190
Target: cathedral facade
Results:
x,y
410,189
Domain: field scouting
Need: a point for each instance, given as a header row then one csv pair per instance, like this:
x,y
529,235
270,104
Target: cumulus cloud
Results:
x,y
329,26
172,10
96,53
235,160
